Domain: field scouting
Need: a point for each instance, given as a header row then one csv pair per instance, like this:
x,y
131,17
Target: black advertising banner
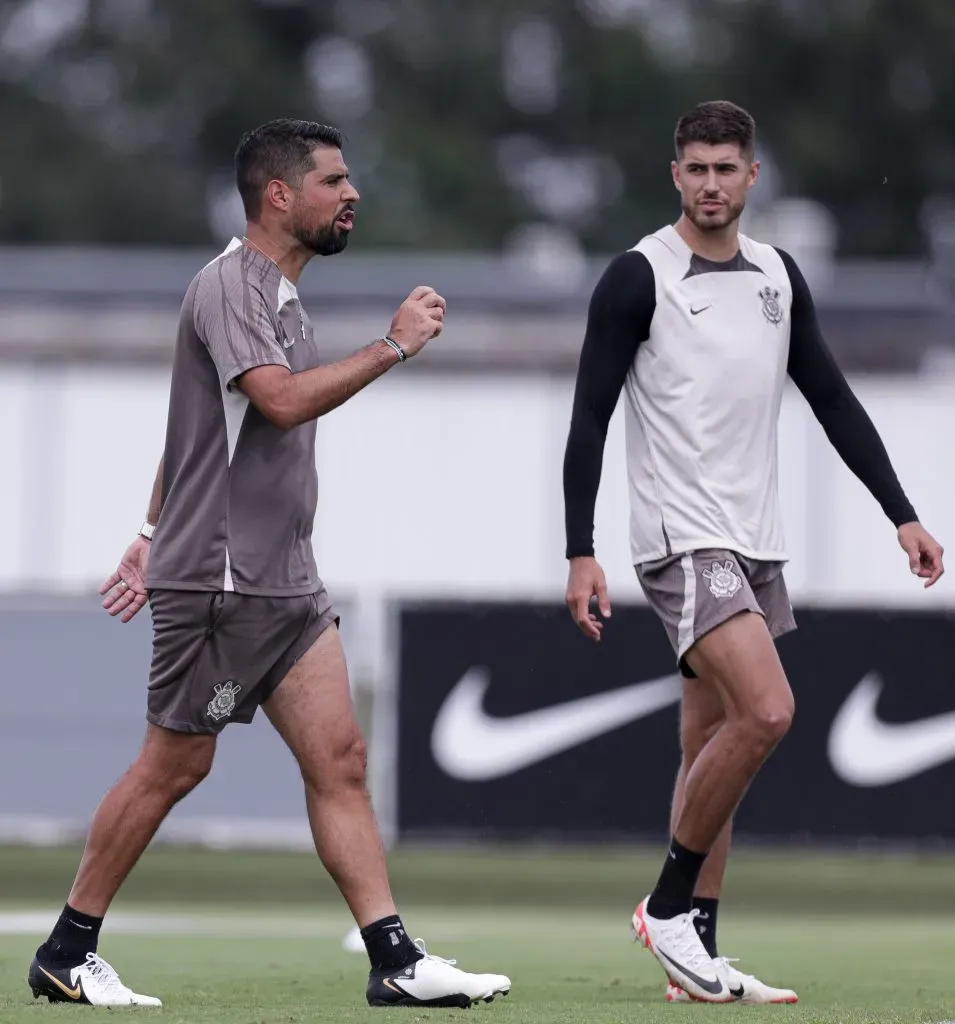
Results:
x,y
513,725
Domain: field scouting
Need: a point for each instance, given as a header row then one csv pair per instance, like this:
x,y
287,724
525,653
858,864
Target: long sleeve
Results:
x,y
847,425
618,320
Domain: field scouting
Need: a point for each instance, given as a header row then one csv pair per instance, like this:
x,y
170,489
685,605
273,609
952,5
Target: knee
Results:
x,y
353,761
769,721
189,774
175,777
343,766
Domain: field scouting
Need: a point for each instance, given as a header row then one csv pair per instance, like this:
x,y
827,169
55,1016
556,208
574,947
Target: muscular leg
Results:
x,y
702,720
311,709
701,715
740,658
169,765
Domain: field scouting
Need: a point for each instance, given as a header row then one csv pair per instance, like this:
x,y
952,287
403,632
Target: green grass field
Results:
x,y
256,938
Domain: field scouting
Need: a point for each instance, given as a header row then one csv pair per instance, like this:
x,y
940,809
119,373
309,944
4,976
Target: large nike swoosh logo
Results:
x,y
74,993
713,987
865,751
470,745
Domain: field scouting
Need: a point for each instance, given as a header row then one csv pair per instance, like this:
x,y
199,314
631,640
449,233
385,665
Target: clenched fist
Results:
x,y
419,319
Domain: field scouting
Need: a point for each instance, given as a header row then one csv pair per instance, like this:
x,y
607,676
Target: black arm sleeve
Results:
x,y
621,309
847,425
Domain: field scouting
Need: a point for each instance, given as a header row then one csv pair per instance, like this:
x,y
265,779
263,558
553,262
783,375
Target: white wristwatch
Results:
x,y
147,530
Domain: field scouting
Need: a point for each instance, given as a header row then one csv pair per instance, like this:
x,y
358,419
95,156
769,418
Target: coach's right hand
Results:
x,y
586,580
125,589
419,319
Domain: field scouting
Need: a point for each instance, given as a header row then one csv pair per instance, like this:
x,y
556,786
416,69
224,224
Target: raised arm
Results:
x,y
241,338
289,399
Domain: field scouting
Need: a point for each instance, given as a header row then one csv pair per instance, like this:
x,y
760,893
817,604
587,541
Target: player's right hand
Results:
x,y
128,599
419,319
586,580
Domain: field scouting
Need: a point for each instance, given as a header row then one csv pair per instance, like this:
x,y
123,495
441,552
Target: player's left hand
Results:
x,y
924,551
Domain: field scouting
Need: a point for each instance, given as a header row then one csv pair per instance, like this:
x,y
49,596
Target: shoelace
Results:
x,y
103,973
688,942
423,950
725,961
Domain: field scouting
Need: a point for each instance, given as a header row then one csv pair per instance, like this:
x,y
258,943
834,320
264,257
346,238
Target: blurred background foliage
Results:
x,y
470,125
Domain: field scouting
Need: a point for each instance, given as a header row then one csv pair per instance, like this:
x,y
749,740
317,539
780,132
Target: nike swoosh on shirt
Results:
x,y
470,745
696,312
865,751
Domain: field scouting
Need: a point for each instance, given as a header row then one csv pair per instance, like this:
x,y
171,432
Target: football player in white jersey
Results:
x,y
701,327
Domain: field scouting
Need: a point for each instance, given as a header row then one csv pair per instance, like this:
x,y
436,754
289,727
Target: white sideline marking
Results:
x,y
39,922
434,924
211,833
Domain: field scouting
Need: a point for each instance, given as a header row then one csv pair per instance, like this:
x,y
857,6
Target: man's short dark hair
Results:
x,y
716,122
278,149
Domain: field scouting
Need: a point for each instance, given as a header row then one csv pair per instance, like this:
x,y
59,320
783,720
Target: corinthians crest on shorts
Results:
x,y
223,703
772,308
723,581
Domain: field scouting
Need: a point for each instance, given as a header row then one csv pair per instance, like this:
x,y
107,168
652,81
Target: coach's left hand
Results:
x,y
924,551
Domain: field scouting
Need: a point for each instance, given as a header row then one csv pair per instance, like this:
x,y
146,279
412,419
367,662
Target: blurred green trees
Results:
x,y
470,122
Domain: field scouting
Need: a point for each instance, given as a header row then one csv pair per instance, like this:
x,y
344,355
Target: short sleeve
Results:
x,y
234,321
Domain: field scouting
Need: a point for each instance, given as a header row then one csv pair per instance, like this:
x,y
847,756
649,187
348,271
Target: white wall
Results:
x,y
446,486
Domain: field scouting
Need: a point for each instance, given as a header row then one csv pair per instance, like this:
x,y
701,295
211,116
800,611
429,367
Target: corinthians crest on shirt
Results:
x,y
772,308
223,703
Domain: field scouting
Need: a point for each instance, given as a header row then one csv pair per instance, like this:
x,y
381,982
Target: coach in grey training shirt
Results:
x,y
235,594
240,616
239,491
239,497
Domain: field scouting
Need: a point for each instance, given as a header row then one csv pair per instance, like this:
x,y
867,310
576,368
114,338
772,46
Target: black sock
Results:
x,y
388,945
705,922
674,892
73,936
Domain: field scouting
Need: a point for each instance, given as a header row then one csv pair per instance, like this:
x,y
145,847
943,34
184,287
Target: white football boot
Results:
x,y
676,944
754,991
432,981
94,983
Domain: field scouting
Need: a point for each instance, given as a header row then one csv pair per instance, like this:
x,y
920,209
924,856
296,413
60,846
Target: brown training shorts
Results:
x,y
217,657
695,592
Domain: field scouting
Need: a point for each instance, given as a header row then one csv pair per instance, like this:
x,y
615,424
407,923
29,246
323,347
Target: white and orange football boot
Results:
x,y
754,991
682,955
